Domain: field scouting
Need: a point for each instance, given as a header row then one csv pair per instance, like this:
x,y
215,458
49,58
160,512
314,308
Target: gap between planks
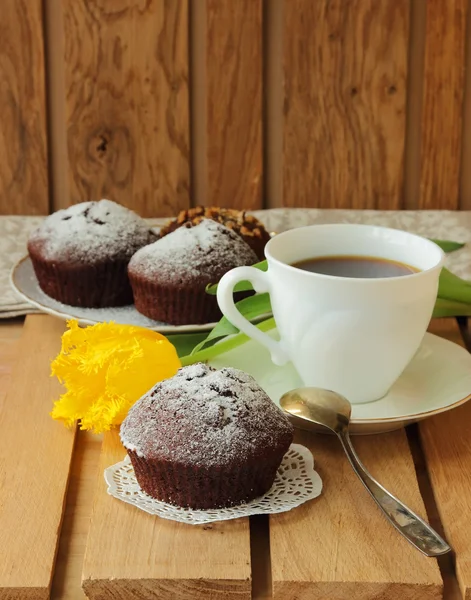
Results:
x,y
260,557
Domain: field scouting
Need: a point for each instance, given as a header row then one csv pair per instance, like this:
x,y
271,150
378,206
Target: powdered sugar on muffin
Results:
x,y
204,417
91,232
202,252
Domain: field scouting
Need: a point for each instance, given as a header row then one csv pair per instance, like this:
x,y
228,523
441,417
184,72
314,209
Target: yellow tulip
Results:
x,y
106,368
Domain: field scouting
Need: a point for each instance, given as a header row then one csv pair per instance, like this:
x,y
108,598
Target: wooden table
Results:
x,y
337,546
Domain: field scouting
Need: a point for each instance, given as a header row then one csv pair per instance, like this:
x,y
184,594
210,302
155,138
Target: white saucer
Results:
x,y
437,379
24,282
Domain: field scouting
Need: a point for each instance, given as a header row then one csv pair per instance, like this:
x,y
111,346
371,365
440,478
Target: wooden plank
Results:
x,y
56,102
273,104
442,103
35,456
234,103
23,149
10,332
67,581
198,153
345,69
131,555
445,443
451,590
126,75
339,545
465,173
415,85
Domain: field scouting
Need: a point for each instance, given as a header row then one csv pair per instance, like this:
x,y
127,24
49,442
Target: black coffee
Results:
x,y
368,267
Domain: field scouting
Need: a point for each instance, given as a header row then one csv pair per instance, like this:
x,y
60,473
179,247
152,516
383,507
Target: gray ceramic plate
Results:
x,y
26,285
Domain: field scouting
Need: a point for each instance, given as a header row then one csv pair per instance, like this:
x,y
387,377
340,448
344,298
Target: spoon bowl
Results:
x,y
318,406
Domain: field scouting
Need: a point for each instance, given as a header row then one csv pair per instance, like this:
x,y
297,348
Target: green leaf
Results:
x,y
225,345
452,287
242,286
250,308
450,308
447,245
185,342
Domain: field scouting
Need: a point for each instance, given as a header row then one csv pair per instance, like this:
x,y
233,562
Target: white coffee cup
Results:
x,y
352,336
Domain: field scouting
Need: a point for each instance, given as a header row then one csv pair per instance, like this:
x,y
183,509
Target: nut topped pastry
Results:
x,y
206,438
80,254
247,226
169,277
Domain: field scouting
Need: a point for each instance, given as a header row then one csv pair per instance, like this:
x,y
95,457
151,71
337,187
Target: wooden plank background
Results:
x,y
234,103
126,79
442,120
166,104
23,139
344,103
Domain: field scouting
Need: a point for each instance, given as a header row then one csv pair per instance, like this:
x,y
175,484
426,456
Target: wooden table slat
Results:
x,y
447,450
67,581
339,546
35,456
131,555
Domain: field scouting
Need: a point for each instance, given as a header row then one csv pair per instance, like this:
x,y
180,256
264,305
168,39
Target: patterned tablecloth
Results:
x,y
450,225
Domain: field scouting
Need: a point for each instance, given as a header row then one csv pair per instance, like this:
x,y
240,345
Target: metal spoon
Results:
x,y
333,411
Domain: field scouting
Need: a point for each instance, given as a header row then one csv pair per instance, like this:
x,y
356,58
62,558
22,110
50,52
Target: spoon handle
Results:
x,y
410,525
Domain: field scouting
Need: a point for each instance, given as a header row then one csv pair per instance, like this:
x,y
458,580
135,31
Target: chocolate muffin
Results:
x,y
169,277
250,229
206,438
80,255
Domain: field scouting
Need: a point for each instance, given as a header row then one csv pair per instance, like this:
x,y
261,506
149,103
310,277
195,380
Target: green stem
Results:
x,y
450,308
225,345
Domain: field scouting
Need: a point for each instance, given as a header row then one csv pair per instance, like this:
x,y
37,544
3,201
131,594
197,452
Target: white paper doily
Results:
x,y
296,482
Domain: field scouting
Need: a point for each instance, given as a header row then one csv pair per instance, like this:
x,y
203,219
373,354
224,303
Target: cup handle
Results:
x,y
225,298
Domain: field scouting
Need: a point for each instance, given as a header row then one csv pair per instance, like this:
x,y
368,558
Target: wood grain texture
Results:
x,y
126,75
234,103
23,149
465,171
447,450
35,456
67,581
339,545
10,332
345,70
56,103
415,85
442,104
131,555
273,103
